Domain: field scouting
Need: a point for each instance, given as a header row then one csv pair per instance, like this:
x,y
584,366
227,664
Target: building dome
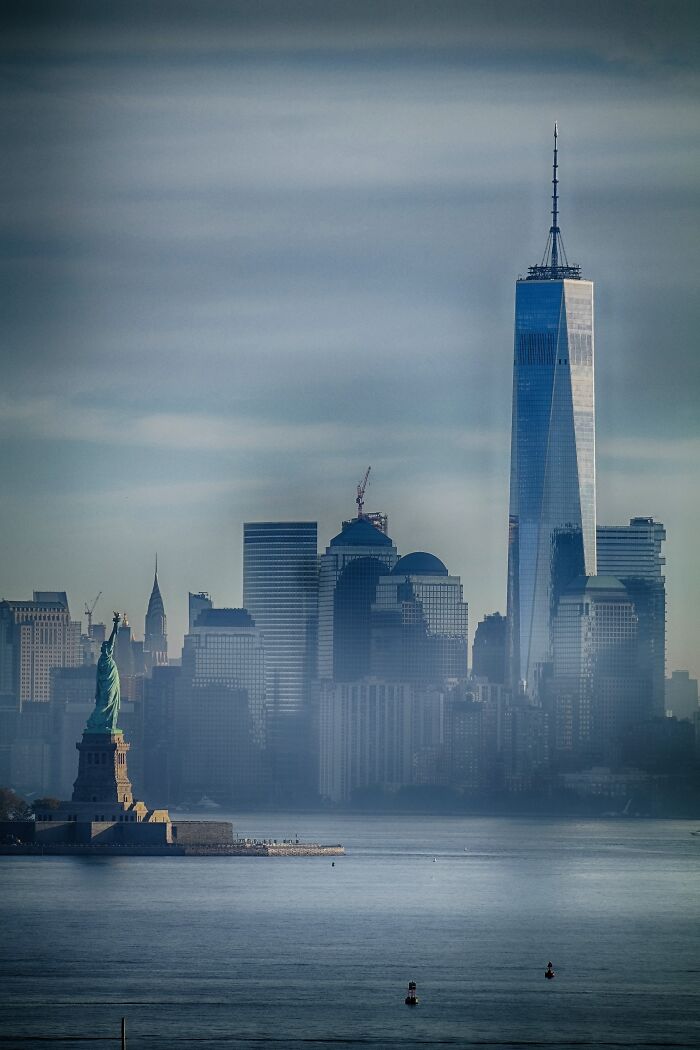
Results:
x,y
419,564
360,533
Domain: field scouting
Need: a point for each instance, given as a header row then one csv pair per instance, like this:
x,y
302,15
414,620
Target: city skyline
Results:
x,y
259,333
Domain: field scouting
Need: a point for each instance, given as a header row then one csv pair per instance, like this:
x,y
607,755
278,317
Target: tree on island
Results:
x,y
41,805
12,807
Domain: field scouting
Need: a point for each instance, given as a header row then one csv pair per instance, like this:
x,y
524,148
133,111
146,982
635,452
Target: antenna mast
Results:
x,y
555,205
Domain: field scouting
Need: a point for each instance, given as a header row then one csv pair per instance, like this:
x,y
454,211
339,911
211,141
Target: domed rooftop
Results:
x,y
591,584
360,533
419,564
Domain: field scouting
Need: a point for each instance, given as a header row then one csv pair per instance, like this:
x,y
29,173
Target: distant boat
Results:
x,y
549,972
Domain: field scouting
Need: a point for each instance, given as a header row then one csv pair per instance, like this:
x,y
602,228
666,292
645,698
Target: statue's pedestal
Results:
x,y
102,775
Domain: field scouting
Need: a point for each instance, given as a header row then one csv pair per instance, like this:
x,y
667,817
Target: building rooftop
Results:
x,y
419,564
360,533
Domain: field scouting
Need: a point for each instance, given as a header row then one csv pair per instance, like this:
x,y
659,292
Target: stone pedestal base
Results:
x,y
102,774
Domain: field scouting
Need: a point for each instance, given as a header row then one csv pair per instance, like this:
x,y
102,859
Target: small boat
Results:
x,y
549,972
411,999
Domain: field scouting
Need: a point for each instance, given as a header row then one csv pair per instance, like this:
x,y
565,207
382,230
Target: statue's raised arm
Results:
x,y
107,695
116,620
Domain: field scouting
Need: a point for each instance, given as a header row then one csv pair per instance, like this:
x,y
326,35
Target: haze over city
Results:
x,y
251,250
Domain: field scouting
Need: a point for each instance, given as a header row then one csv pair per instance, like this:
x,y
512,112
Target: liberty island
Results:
x,y
103,814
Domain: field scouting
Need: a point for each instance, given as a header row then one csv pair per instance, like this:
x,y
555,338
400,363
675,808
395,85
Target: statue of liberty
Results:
x,y
104,718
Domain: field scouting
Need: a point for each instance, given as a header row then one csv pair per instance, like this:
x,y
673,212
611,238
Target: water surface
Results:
x,y
287,952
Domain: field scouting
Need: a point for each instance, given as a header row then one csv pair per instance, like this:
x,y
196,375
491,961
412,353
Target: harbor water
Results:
x,y
286,952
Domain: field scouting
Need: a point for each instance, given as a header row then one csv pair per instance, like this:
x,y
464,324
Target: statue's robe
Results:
x,y
106,713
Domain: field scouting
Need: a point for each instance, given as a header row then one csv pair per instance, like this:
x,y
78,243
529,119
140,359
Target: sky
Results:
x,y
249,249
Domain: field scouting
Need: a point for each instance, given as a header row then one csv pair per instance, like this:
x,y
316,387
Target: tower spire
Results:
x,y
555,265
554,232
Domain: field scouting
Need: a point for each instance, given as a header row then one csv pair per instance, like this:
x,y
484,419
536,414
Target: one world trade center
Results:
x,y
552,522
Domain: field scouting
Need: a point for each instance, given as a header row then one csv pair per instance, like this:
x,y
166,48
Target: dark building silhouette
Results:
x,y
195,604
344,619
632,553
419,622
489,648
220,723
682,695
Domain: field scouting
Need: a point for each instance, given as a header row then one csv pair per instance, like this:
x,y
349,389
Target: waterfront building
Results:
x,y
682,695
280,590
220,708
489,649
552,521
36,636
596,692
633,554
349,572
419,622
373,734
155,637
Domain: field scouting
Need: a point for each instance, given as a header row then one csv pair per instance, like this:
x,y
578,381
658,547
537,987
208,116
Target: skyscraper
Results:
x,y
419,622
633,554
552,524
349,571
36,636
155,636
596,692
280,584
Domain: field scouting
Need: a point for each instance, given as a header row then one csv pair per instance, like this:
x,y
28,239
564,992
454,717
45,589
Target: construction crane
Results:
x,y
89,610
360,498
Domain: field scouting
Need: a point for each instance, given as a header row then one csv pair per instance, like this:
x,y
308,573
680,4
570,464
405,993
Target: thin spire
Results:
x,y
555,203
156,573
554,266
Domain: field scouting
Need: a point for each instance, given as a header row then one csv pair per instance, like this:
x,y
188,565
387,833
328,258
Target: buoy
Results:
x,y
332,863
411,999
549,972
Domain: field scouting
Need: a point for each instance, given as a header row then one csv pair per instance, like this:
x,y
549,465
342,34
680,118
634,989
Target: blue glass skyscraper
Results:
x,y
552,526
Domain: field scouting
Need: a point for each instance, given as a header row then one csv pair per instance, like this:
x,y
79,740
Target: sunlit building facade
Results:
x,y
552,522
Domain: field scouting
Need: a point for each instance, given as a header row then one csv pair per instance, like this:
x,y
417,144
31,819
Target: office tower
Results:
x,y
419,622
349,571
220,708
489,649
552,537
682,695
280,590
160,759
155,635
195,604
632,553
36,636
596,692
280,585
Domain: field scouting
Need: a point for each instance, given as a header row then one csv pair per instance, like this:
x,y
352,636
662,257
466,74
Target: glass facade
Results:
x,y
552,523
280,589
